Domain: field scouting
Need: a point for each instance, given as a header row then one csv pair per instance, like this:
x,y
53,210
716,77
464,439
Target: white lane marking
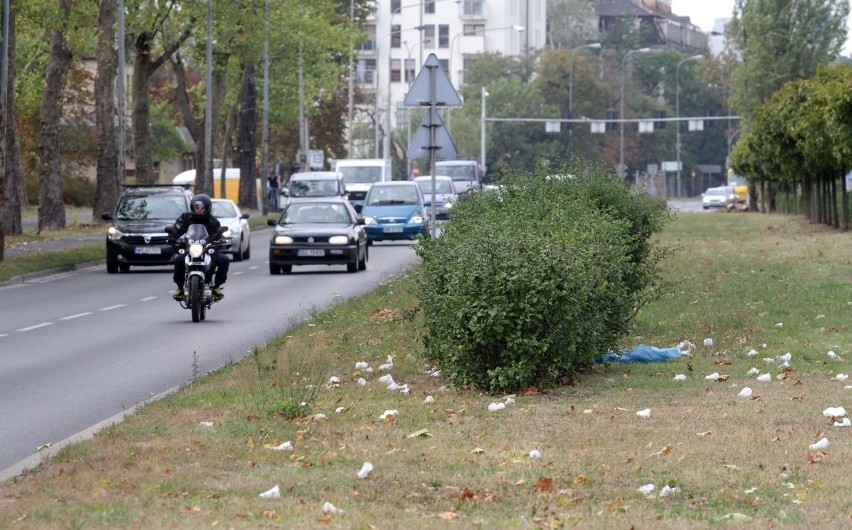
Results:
x,y
147,299
43,324
4,335
78,315
111,307
237,273
253,267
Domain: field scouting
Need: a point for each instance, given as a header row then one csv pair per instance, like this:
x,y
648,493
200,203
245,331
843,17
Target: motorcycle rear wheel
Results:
x,y
196,298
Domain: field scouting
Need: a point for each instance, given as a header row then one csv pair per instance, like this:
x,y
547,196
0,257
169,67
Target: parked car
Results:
x,y
320,231
312,184
394,210
137,236
719,197
229,214
444,190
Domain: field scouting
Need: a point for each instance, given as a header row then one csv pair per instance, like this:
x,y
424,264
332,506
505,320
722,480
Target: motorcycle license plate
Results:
x,y
392,230
311,252
148,250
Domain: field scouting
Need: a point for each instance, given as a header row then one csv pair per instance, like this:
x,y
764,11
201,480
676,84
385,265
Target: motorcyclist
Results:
x,y
200,214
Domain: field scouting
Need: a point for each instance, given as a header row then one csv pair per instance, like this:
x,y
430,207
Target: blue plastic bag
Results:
x,y
641,353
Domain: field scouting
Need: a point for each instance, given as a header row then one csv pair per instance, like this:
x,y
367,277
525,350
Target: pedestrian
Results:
x,y
273,191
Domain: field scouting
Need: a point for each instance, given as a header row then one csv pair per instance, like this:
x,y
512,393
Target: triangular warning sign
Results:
x,y
421,145
432,87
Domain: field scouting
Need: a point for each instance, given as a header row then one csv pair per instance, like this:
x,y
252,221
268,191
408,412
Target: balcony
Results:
x,y
472,10
366,79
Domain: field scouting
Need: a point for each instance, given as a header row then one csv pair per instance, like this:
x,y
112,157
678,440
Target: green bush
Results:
x,y
529,283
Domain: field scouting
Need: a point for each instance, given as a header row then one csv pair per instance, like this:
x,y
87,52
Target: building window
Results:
x,y
429,37
396,6
429,6
474,29
473,7
443,36
365,71
395,35
396,74
370,44
410,72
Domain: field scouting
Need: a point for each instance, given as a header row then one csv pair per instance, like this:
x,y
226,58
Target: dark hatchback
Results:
x,y
137,236
324,231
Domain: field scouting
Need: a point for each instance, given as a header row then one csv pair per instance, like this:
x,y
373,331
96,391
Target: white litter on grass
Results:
x,y
361,365
272,493
362,381
340,409
393,413
535,453
646,489
366,469
494,407
764,378
206,423
752,352
320,417
785,364
845,422
429,400
745,392
786,357
645,413
753,371
712,377
750,491
510,400
388,364
834,412
331,509
387,379
679,377
841,377
708,342
779,325
685,347
334,380
668,490
831,355
768,360
820,445
286,446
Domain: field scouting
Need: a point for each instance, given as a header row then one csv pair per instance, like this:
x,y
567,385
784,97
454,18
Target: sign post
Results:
x,y
432,88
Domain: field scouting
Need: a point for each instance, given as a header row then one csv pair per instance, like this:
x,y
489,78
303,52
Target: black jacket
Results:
x,y
188,218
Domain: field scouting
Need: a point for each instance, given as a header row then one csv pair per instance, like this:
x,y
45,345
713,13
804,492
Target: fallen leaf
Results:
x,y
421,432
448,516
467,495
544,484
705,433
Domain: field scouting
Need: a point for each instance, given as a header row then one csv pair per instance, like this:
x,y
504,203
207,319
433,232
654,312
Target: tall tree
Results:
x,y
246,138
51,208
108,179
571,23
15,190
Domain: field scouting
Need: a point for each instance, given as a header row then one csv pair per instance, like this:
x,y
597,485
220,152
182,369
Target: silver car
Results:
x,y
229,214
445,192
720,197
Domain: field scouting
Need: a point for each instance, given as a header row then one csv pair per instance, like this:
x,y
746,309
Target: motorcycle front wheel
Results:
x,y
196,298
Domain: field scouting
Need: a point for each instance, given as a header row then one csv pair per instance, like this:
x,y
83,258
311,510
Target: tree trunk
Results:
x,y
246,138
51,209
15,189
193,125
108,180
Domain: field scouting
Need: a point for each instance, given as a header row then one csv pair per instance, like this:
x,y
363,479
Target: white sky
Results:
x,y
703,13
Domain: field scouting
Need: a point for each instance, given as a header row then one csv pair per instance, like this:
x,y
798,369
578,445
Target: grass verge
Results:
x,y
748,290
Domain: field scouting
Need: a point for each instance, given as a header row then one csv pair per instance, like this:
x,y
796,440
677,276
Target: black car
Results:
x,y
137,235
323,231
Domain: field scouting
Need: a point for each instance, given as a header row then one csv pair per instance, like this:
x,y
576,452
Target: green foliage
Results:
x,y
528,284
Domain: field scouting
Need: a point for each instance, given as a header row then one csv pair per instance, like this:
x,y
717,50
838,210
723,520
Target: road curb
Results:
x,y
33,276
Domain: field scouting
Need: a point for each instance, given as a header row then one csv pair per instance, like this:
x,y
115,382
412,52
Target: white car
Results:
x,y
447,196
229,214
719,197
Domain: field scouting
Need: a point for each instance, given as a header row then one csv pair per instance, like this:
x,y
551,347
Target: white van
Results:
x,y
465,173
360,174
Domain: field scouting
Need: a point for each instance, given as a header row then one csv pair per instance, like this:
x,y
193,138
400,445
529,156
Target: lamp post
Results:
x,y
677,115
621,109
595,45
484,95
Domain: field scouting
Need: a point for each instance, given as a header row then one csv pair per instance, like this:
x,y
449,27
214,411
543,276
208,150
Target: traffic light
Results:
x,y
661,116
565,126
611,115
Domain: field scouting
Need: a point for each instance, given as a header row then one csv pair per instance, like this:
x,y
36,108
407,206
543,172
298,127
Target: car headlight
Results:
x,y
113,234
196,250
416,219
282,240
338,240
449,205
369,220
227,233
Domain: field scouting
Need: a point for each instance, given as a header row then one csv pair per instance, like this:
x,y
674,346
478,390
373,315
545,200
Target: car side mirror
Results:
x,y
245,216
271,222
361,221
106,216
359,207
285,192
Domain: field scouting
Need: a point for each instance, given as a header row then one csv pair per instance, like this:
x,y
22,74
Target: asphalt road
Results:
x,y
81,347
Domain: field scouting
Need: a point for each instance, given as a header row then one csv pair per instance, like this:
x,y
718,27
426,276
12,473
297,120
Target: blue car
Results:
x,y
393,211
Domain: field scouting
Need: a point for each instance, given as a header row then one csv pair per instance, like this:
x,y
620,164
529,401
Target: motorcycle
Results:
x,y
195,248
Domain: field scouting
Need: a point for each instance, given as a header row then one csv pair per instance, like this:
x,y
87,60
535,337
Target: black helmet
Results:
x,y
202,201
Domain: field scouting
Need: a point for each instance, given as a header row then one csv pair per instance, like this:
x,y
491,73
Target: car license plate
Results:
x,y
148,250
392,230
310,252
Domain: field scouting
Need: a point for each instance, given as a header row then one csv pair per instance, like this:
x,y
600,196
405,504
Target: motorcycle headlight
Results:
x,y
369,220
113,234
338,240
416,219
282,240
196,250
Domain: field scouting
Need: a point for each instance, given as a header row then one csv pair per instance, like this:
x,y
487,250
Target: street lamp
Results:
x,y
595,45
677,115
621,110
484,95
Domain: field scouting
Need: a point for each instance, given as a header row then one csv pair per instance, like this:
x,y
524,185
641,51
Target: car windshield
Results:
x,y
301,213
224,210
392,195
196,232
467,172
441,186
313,188
715,191
150,207
361,175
